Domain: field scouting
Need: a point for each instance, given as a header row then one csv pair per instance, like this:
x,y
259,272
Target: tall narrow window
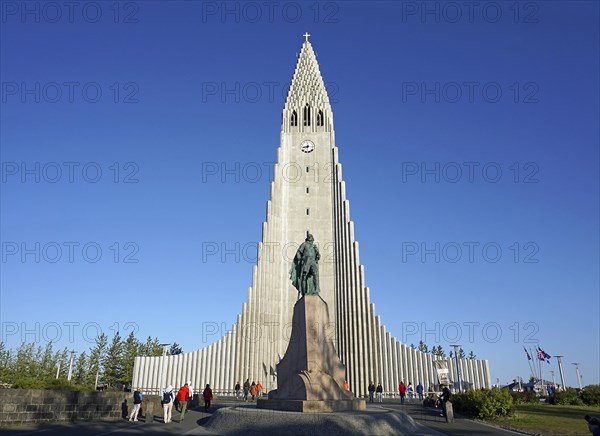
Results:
x,y
320,121
294,119
307,115
307,211
307,190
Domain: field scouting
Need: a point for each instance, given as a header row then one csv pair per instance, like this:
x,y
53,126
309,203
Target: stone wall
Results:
x,y
20,406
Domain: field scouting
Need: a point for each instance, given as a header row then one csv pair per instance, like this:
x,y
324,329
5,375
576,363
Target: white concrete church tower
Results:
x,y
307,194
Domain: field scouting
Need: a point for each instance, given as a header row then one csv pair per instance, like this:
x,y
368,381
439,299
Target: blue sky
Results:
x,y
134,138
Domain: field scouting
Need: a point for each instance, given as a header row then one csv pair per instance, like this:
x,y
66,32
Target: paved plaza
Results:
x,y
195,419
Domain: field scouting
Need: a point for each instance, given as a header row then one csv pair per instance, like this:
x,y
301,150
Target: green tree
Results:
x,y
97,358
472,355
438,351
62,358
48,363
6,363
151,347
131,349
80,369
461,353
423,347
25,366
36,361
175,349
113,362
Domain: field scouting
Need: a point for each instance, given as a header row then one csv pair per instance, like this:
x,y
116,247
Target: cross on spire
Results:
x,y
306,35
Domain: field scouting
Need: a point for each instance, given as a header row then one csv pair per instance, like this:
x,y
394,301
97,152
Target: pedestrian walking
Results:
x,y
420,391
137,404
410,391
246,389
402,389
191,394
183,396
167,402
253,390
259,389
371,390
237,390
379,391
207,395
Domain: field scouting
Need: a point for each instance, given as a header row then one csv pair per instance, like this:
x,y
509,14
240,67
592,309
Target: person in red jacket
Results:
x,y
402,389
183,396
207,394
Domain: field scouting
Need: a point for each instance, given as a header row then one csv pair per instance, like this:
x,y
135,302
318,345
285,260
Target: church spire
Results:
x,y
307,107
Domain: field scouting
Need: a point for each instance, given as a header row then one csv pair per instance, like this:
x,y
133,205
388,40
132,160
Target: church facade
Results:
x,y
307,194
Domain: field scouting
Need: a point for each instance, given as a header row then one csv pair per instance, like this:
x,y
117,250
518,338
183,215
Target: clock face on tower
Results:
x,y
307,146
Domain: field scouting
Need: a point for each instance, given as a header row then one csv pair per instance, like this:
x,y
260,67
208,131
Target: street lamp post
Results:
x,y
71,365
457,366
560,371
578,376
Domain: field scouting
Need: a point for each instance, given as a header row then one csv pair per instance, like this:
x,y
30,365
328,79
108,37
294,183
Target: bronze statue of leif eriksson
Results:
x,y
305,268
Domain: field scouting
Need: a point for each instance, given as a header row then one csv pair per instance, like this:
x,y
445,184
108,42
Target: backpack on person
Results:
x,y
166,397
136,397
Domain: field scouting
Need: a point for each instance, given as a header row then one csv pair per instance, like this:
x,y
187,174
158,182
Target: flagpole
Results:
x,y
530,368
541,375
533,371
529,362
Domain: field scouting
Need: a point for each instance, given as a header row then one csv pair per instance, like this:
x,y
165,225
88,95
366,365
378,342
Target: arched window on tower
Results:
x,y
294,119
307,115
320,120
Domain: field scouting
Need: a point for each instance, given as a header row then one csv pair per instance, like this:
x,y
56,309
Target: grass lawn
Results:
x,y
546,419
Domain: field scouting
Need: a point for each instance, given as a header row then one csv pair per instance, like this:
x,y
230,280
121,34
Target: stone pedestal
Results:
x,y
448,411
150,412
310,377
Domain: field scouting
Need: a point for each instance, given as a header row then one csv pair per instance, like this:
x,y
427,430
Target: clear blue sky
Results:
x,y
185,98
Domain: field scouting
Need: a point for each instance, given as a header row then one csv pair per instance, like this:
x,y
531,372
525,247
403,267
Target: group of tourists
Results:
x,y
408,390
402,388
255,390
184,396
372,390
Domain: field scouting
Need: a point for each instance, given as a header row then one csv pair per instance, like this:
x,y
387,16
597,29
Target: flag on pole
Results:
x,y
526,353
546,357
542,355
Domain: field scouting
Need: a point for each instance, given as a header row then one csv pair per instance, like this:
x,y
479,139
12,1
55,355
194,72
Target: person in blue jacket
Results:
x,y
137,404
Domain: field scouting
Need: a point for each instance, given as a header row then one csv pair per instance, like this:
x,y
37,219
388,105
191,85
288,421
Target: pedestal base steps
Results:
x,y
250,421
313,406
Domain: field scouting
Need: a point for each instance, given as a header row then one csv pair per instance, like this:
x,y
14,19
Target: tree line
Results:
x,y
109,363
439,351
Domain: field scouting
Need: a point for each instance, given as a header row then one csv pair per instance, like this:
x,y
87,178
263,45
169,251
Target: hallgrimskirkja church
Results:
x,y
307,193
